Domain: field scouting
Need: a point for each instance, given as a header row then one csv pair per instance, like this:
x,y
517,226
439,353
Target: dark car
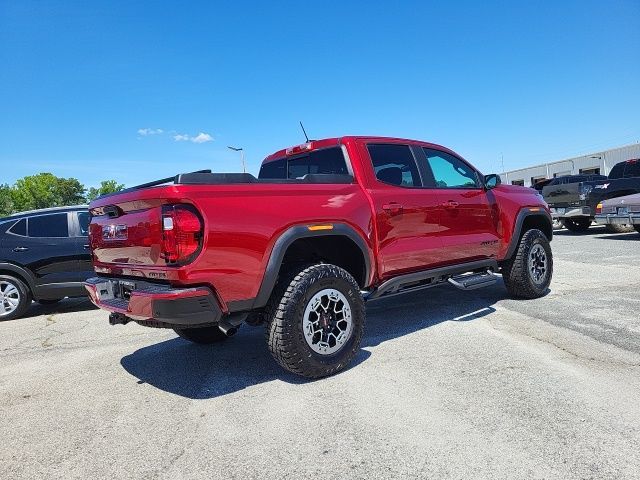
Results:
x,y
44,256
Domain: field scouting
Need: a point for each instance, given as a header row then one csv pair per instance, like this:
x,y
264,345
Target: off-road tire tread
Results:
x,y
515,273
281,331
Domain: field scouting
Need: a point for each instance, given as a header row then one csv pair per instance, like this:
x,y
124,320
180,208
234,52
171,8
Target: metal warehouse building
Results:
x,y
599,162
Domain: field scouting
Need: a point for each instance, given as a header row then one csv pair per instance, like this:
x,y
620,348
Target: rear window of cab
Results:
x,y
324,161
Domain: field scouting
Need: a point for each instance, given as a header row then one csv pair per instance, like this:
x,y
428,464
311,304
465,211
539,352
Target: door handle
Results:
x,y
392,208
450,204
21,249
86,246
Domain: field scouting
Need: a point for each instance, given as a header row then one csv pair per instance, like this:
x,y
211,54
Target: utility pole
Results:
x,y
241,150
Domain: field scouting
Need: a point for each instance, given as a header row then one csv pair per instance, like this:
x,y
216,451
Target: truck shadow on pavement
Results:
x,y
208,371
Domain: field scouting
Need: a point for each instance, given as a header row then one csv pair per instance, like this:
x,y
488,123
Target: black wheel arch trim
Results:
x,y
302,231
517,229
21,272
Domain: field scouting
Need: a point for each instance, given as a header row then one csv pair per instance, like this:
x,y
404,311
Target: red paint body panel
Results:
x,y
243,221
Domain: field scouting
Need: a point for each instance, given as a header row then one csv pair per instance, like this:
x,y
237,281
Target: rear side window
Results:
x,y
394,165
83,222
325,161
274,169
19,228
53,225
449,171
632,169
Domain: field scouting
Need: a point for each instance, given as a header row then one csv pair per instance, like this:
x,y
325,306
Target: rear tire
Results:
x,y
577,225
15,297
615,228
528,273
202,335
317,326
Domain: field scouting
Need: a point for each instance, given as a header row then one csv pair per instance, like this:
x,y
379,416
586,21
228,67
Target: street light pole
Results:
x,y
241,150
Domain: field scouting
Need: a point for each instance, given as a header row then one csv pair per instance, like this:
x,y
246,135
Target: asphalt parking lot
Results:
x,y
448,384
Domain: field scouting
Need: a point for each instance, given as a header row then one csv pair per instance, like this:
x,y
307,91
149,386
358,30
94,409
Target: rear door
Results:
x,y
406,215
80,233
468,212
43,244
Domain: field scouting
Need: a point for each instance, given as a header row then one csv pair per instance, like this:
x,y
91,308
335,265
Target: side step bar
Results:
x,y
473,280
478,274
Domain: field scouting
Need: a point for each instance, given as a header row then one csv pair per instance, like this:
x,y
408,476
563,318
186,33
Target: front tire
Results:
x,y
317,323
15,297
528,273
577,225
202,335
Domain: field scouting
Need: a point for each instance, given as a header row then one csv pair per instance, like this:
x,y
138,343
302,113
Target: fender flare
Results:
x,y
297,232
21,272
517,229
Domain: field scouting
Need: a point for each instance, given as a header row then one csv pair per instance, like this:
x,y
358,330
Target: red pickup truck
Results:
x,y
326,226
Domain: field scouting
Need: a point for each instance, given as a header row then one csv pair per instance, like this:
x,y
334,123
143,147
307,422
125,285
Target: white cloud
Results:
x,y
145,132
200,138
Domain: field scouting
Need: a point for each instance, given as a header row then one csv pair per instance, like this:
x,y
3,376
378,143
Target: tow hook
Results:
x,y
116,318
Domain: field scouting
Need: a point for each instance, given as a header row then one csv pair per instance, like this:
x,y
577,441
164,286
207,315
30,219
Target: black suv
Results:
x,y
44,256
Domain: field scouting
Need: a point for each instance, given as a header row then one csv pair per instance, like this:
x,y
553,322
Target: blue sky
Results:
x,y
86,87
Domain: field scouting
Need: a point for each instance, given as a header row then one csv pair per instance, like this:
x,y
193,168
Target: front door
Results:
x,y
468,212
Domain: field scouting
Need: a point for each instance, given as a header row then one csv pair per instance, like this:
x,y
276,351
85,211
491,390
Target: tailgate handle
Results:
x,y
21,249
450,204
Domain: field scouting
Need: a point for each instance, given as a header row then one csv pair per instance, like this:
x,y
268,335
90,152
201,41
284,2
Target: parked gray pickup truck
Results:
x,y
620,211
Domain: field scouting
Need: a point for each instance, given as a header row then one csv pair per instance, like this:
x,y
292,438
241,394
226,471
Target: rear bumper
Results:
x,y
615,219
138,300
570,212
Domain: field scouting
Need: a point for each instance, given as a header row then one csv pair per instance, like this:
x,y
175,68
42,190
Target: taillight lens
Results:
x,y
181,233
599,208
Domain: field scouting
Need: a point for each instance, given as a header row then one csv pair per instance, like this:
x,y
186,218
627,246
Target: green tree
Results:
x,y
46,190
106,186
6,202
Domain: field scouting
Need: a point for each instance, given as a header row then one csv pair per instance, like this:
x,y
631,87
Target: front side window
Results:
x,y
53,225
449,171
394,165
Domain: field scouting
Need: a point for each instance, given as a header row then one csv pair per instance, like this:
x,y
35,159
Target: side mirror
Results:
x,y
491,181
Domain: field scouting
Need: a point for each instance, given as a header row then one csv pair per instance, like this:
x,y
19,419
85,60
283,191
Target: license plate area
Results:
x,y
623,210
115,289
124,289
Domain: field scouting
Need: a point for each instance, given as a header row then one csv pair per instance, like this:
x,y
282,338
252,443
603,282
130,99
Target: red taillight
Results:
x,y
599,208
181,233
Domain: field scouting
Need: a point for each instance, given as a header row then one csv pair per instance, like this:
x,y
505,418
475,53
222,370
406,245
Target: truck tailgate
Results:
x,y
127,233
